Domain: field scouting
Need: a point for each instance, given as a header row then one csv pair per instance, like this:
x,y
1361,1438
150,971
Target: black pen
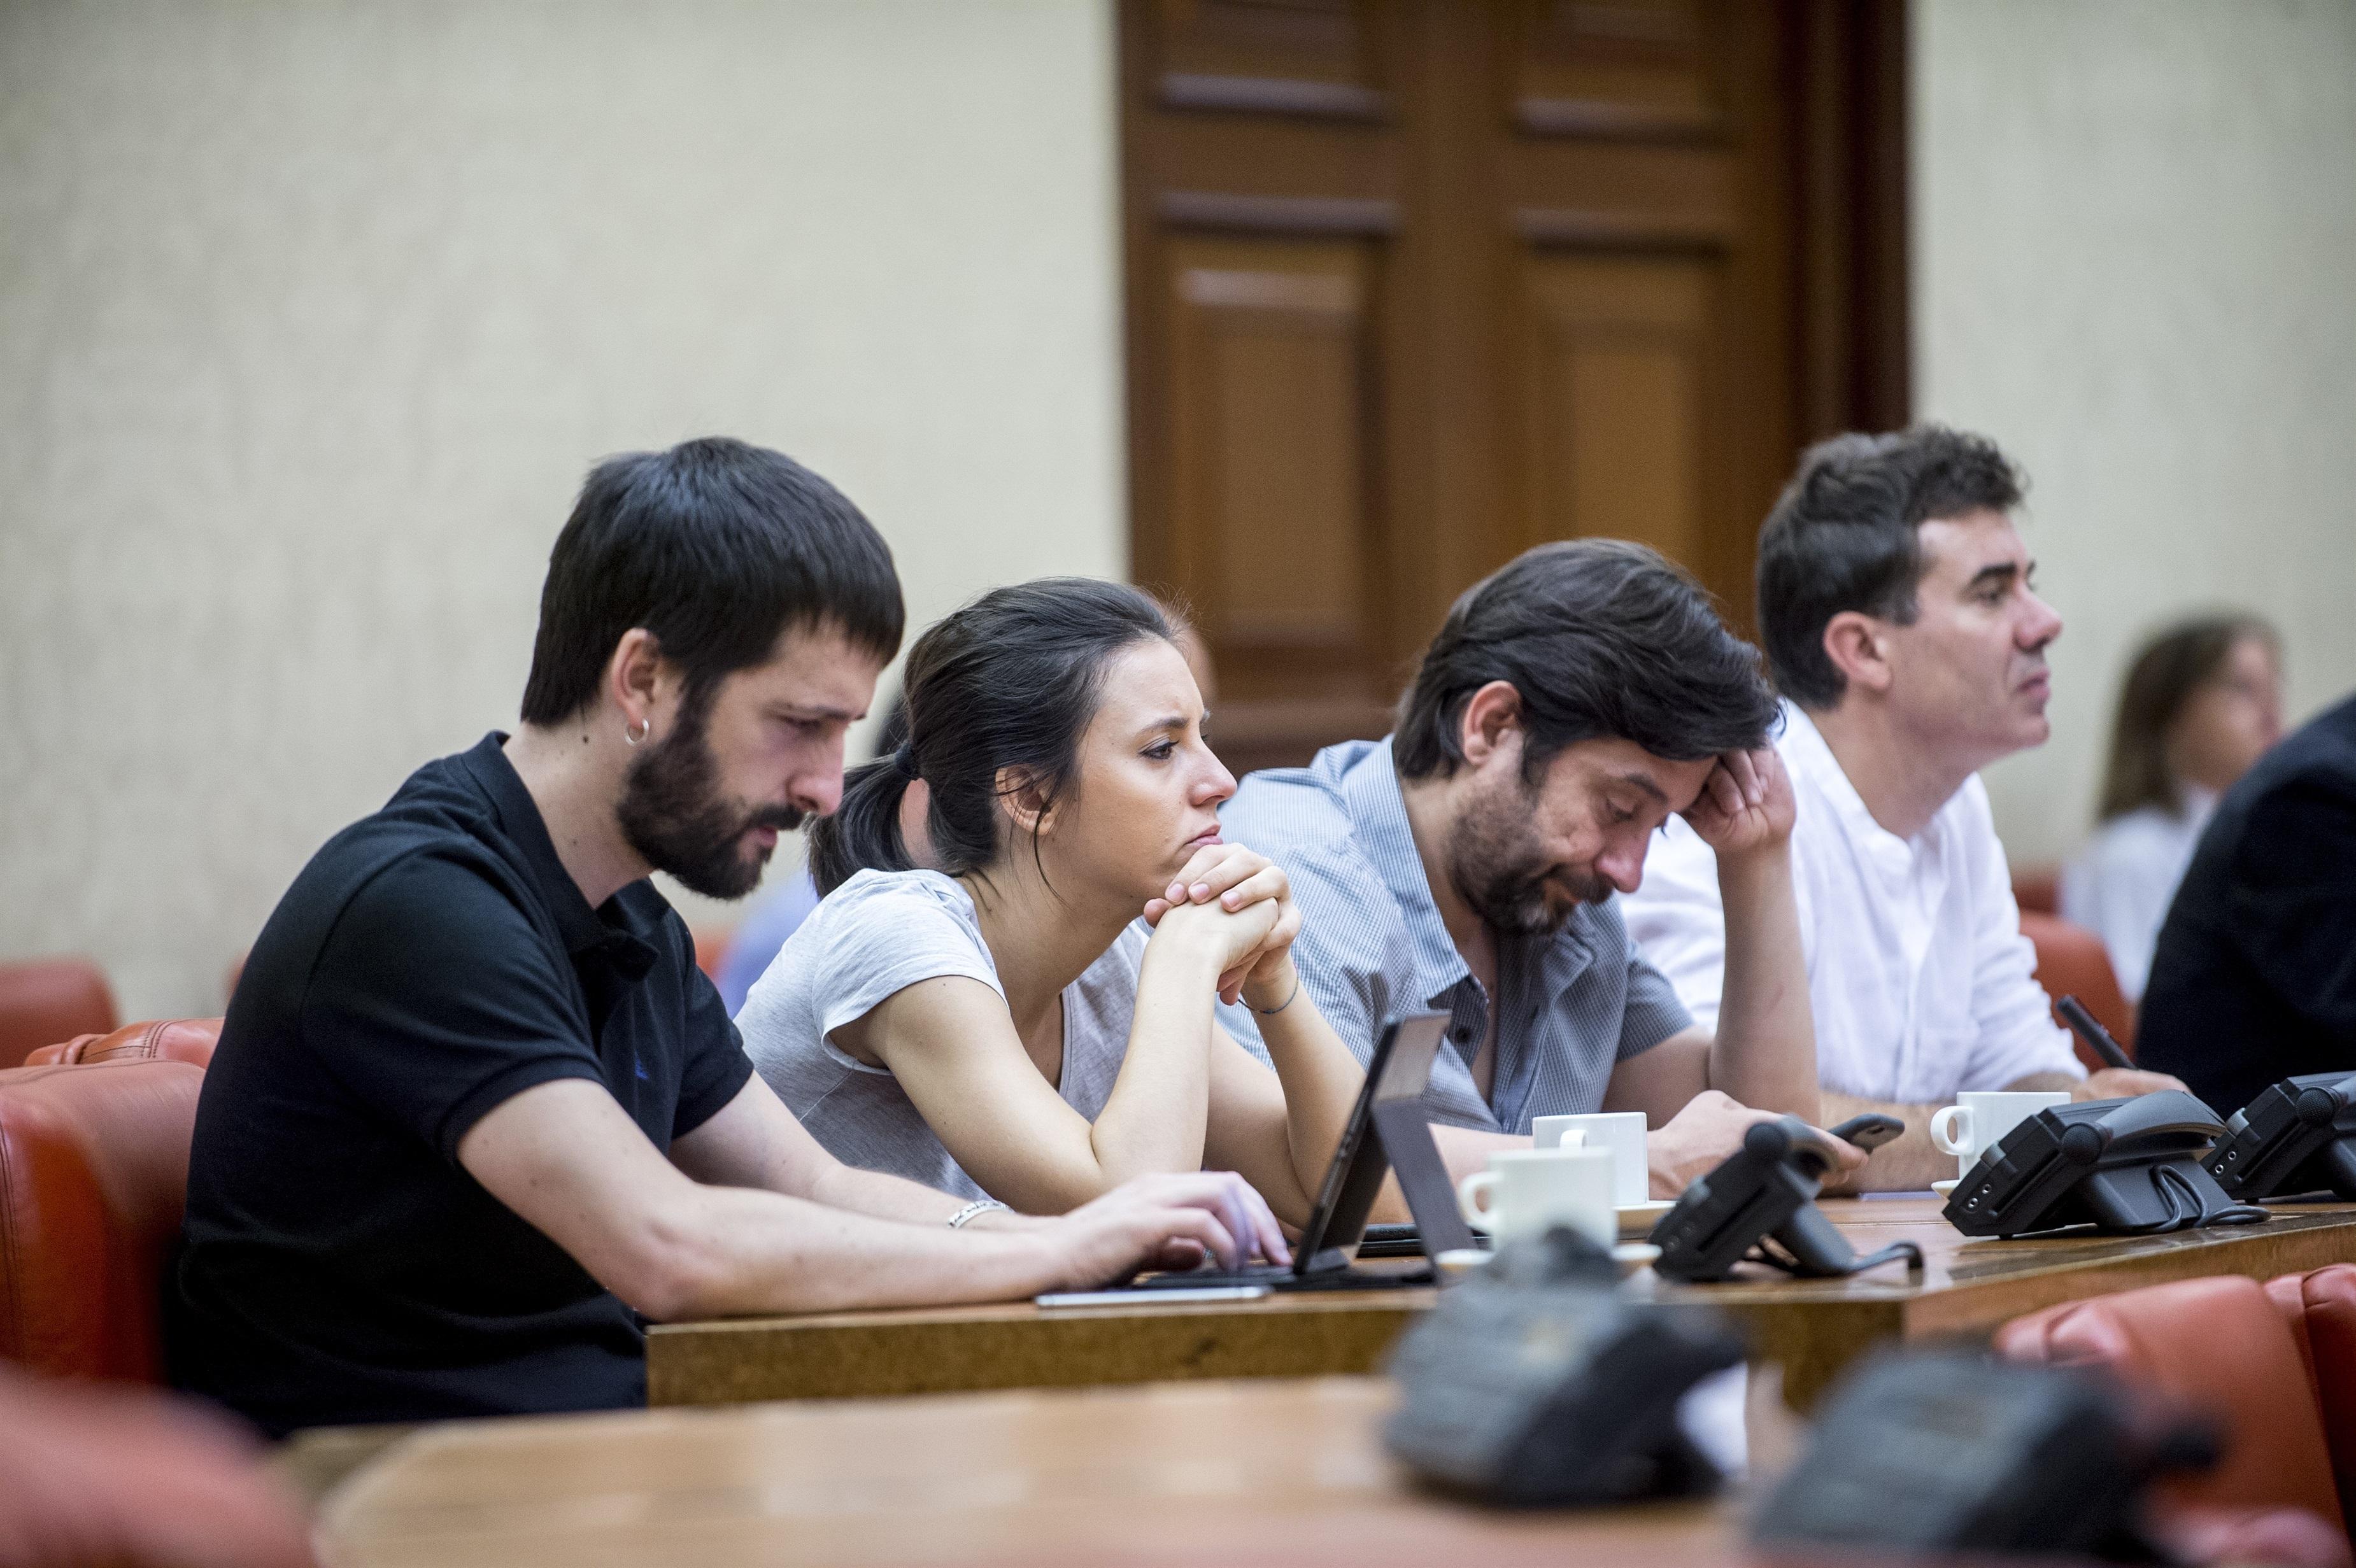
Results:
x,y
2075,1015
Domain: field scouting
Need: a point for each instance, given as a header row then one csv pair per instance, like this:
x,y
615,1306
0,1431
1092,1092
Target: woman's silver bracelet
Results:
x,y
978,1206
1271,1012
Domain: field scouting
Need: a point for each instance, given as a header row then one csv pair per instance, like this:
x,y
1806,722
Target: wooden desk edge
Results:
x,y
844,1356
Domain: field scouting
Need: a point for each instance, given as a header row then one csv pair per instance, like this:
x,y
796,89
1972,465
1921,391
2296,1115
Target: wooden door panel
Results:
x,y
1414,284
1325,43
1638,68
1271,387
1616,401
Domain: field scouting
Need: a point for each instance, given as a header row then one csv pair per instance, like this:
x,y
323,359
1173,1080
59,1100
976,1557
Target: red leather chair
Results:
x,y
91,1473
2038,888
712,951
2222,1345
2320,1307
93,1178
2072,961
171,1039
44,1000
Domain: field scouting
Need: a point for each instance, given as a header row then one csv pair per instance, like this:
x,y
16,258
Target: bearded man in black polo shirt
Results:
x,y
474,1114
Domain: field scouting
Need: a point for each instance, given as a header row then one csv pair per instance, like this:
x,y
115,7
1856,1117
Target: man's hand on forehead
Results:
x,y
1745,803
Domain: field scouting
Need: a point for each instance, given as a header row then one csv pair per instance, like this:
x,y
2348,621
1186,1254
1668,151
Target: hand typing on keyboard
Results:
x,y
1169,1221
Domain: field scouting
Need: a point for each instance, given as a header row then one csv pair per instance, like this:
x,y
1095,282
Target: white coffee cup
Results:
x,y
1967,1128
1621,1132
1528,1192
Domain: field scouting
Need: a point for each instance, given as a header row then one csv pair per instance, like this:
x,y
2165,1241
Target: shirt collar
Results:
x,y
616,931
1369,786
1810,756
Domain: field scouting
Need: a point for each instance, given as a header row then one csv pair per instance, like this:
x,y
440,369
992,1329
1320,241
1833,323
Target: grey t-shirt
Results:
x,y
881,932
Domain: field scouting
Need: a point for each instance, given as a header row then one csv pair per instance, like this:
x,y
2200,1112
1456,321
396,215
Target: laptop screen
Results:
x,y
1390,1099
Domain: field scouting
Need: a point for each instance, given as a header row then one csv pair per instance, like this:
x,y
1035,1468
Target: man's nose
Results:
x,y
817,789
2041,626
1624,866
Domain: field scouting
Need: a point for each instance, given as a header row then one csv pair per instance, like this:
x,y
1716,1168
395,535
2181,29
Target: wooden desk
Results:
x,y
1289,1472
1969,1286
1814,1327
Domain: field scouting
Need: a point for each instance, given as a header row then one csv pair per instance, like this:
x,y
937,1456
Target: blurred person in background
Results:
x,y
2202,704
2254,977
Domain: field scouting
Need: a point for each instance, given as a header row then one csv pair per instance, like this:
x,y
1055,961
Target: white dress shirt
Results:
x,y
2121,884
1919,979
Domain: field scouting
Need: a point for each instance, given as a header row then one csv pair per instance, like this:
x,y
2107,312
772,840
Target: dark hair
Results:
x,y
2167,671
1009,681
716,547
1842,537
1599,638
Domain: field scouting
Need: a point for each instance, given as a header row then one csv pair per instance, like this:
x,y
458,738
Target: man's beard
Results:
x,y
1499,872
674,814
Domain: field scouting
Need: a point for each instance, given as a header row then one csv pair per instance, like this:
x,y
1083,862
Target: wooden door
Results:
x,y
1414,284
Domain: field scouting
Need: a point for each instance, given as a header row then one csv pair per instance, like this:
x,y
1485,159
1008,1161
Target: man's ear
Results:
x,y
1492,721
1024,803
640,682
1858,647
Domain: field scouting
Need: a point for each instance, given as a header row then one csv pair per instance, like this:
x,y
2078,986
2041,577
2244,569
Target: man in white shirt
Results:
x,y
1900,620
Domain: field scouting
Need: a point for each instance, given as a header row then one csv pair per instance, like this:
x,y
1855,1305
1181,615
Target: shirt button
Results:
x,y
1461,1036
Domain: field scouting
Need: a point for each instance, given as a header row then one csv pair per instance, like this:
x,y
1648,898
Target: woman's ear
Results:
x,y
1024,803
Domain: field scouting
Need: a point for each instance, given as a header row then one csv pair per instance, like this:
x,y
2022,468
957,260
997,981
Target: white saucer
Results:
x,y
1644,1216
1459,1262
1633,1255
1944,1188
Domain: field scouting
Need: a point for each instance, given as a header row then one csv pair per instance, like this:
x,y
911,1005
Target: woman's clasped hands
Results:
x,y
1239,903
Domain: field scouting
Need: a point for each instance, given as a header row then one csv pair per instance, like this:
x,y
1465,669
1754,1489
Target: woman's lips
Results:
x,y
1204,840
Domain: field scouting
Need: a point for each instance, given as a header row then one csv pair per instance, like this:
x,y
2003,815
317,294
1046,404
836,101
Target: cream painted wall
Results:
x,y
2135,244
312,317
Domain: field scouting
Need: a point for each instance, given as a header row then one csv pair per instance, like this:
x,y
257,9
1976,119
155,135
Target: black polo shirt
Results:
x,y
338,1263
2254,977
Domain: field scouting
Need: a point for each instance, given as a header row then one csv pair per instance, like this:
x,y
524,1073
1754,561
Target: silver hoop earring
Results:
x,y
634,733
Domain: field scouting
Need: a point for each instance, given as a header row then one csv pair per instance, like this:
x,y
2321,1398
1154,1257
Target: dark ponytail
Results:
x,y
1010,681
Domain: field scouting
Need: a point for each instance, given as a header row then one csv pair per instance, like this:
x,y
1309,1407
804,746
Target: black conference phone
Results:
x,y
1947,1453
2298,1136
2124,1166
1758,1203
1535,1383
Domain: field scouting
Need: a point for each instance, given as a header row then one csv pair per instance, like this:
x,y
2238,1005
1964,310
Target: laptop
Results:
x,y
1387,1131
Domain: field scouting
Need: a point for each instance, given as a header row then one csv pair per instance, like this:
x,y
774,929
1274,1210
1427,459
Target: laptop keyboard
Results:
x,y
1210,1278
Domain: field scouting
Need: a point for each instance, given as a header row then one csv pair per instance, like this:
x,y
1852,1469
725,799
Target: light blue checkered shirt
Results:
x,y
1372,948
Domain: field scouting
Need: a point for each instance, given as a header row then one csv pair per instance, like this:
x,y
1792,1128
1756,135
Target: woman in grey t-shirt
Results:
x,y
1006,1025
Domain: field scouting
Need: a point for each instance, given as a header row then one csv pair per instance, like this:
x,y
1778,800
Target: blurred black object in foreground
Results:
x,y
1954,1454
1535,1384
